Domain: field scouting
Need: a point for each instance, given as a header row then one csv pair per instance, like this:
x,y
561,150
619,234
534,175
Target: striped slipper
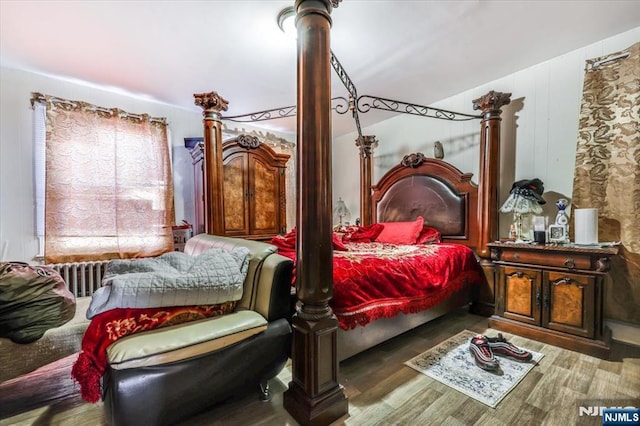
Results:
x,y
500,346
479,348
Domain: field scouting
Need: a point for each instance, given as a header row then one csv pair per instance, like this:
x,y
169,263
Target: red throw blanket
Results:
x,y
379,280
109,326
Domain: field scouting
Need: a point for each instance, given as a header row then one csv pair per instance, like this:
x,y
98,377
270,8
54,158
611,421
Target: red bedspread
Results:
x,y
110,326
379,280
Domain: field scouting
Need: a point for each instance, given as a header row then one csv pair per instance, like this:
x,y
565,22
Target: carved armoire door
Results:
x,y
254,189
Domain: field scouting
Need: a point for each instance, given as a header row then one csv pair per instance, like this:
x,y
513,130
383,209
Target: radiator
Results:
x,y
82,278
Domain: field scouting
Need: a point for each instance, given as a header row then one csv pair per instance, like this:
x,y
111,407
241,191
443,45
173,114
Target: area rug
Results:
x,y
452,364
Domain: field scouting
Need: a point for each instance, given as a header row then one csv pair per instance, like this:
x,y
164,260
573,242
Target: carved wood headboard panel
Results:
x,y
439,192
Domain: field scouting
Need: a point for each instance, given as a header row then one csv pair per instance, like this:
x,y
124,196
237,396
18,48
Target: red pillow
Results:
x,y
401,232
429,235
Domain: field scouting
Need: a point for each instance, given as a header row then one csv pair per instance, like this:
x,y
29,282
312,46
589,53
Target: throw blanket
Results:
x,y
108,327
380,280
172,279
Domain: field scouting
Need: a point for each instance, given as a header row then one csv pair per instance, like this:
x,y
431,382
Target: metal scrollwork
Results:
x,y
351,88
357,104
268,114
341,105
367,103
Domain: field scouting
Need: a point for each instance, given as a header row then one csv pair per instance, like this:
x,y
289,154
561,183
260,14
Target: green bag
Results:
x,y
33,299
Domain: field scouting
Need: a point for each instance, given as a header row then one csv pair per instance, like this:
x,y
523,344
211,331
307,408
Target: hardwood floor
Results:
x,y
381,389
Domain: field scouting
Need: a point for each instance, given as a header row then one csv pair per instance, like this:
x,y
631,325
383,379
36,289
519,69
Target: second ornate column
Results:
x,y
314,395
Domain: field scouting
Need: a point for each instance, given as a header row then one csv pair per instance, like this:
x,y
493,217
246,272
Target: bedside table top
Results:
x,y
563,248
562,256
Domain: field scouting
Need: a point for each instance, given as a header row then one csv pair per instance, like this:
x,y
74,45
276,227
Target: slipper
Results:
x,y
479,348
500,346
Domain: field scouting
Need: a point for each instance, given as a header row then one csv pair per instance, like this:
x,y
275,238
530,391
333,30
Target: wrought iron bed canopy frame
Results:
x,y
357,104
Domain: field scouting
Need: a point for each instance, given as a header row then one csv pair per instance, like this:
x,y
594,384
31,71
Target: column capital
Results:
x,y
366,144
492,101
211,103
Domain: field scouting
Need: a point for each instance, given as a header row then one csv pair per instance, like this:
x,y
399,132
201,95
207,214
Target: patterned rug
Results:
x,y
451,363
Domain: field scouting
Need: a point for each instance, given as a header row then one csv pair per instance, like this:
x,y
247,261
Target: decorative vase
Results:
x,y
561,217
562,220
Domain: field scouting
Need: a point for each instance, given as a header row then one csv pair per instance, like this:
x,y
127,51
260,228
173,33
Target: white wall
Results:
x,y
539,137
539,130
17,217
17,241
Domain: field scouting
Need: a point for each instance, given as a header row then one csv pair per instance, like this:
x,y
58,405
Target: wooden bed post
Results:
x,y
314,395
490,105
212,104
366,145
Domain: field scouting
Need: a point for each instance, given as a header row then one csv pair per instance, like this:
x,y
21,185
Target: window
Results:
x,y
108,189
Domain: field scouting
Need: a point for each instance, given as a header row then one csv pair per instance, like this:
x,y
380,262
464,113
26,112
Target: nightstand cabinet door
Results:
x,y
569,303
521,294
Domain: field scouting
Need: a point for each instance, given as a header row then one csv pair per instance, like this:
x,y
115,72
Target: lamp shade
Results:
x,y
525,197
515,203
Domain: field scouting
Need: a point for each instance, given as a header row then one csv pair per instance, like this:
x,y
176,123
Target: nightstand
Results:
x,y
553,294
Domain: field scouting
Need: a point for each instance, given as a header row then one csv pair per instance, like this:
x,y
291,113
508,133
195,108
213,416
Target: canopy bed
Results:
x,y
445,199
314,395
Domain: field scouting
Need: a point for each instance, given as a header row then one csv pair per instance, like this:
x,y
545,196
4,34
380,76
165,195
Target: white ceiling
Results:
x,y
415,51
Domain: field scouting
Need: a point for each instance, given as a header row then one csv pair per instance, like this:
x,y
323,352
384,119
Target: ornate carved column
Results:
x,y
212,104
366,145
490,105
314,395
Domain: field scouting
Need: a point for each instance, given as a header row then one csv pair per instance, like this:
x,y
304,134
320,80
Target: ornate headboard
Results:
x,y
439,192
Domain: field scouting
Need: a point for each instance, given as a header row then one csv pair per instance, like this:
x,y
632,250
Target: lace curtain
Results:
x,y
109,189
607,171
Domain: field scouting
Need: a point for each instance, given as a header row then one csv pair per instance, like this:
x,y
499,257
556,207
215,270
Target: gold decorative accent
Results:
x,y
492,101
211,101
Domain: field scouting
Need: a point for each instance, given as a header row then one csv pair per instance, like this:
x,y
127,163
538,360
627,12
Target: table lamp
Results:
x,y
524,198
341,213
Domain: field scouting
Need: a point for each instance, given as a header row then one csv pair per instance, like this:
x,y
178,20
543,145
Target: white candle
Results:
x,y
586,226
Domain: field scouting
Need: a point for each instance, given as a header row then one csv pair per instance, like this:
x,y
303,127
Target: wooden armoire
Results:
x,y
254,189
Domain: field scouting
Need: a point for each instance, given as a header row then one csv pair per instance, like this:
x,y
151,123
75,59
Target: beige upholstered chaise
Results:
x,y
171,373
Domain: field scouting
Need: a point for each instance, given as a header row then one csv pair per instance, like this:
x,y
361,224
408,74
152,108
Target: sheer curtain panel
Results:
x,y
109,189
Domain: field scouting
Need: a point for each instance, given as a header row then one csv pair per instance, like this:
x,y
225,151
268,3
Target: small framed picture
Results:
x,y
558,234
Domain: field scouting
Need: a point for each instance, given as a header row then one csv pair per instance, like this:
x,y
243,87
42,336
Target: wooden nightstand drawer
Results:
x,y
560,260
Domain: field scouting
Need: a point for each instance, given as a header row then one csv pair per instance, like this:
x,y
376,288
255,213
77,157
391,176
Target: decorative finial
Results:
x,y
211,101
492,101
438,150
